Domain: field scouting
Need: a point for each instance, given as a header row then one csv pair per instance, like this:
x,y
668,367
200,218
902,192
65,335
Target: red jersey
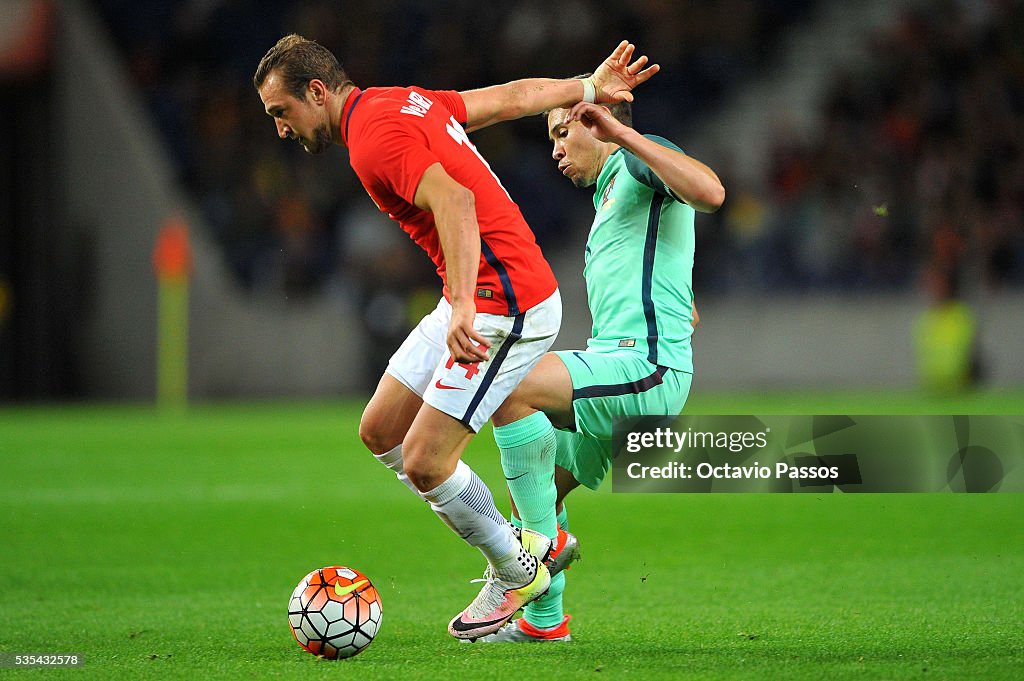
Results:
x,y
393,135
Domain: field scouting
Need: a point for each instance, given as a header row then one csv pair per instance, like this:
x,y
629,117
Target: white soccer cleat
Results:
x,y
497,602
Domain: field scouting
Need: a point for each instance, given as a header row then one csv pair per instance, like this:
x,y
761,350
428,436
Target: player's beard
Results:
x,y
320,142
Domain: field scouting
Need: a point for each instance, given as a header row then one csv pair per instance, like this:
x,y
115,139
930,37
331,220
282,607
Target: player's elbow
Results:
x,y
462,200
714,196
456,206
442,195
710,197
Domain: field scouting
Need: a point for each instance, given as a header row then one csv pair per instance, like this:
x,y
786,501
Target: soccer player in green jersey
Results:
x,y
638,269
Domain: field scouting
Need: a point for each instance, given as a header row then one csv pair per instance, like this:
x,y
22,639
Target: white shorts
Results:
x,y
470,393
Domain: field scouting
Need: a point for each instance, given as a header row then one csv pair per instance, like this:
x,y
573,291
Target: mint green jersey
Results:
x,y
639,264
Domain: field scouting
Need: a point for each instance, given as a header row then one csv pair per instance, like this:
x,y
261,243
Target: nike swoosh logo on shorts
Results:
x,y
580,358
442,386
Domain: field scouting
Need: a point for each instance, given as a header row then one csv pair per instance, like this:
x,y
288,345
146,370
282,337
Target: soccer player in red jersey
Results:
x,y
500,310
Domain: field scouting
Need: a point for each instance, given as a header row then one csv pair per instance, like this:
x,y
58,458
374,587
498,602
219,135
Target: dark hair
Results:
x,y
299,61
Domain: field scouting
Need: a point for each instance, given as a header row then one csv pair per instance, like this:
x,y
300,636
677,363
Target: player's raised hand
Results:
x,y
619,74
598,121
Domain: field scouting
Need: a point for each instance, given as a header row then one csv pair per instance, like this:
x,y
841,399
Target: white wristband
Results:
x,y
589,91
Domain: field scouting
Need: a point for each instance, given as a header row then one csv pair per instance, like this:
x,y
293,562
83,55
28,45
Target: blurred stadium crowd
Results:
x,y
919,170
919,167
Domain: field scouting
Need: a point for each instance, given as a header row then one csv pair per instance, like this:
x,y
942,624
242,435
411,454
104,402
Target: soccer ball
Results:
x,y
334,612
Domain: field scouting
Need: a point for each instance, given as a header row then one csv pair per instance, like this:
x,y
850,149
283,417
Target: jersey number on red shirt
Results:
x,y
458,133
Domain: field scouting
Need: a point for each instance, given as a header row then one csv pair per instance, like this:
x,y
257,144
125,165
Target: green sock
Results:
x,y
546,611
562,517
528,459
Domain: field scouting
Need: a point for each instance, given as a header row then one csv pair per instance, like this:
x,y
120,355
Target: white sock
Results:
x,y
465,504
393,460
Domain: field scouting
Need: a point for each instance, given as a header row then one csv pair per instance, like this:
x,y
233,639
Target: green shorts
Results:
x,y
606,387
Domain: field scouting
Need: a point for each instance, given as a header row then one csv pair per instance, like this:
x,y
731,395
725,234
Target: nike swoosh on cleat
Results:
x,y
459,625
341,591
442,386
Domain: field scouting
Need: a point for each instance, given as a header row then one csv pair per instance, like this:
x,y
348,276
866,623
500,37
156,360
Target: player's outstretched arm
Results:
x,y
613,81
454,209
688,178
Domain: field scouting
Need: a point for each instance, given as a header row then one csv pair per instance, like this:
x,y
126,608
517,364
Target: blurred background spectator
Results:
x,y
920,165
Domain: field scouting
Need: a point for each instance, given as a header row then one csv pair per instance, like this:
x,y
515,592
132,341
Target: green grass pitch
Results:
x,y
166,546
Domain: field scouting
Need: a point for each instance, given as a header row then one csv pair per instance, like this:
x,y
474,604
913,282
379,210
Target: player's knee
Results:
x,y
422,480
424,467
421,470
375,434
